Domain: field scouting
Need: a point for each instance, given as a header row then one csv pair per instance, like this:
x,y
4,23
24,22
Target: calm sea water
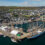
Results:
x,y
38,41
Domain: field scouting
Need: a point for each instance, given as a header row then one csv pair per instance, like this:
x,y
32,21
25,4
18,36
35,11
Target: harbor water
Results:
x,y
37,41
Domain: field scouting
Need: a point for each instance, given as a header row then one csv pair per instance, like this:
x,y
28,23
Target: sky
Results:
x,y
22,3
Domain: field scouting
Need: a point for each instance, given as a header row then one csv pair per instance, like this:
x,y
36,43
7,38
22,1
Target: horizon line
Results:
x,y
22,6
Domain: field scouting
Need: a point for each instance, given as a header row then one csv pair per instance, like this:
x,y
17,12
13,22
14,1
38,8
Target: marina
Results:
x,y
17,33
